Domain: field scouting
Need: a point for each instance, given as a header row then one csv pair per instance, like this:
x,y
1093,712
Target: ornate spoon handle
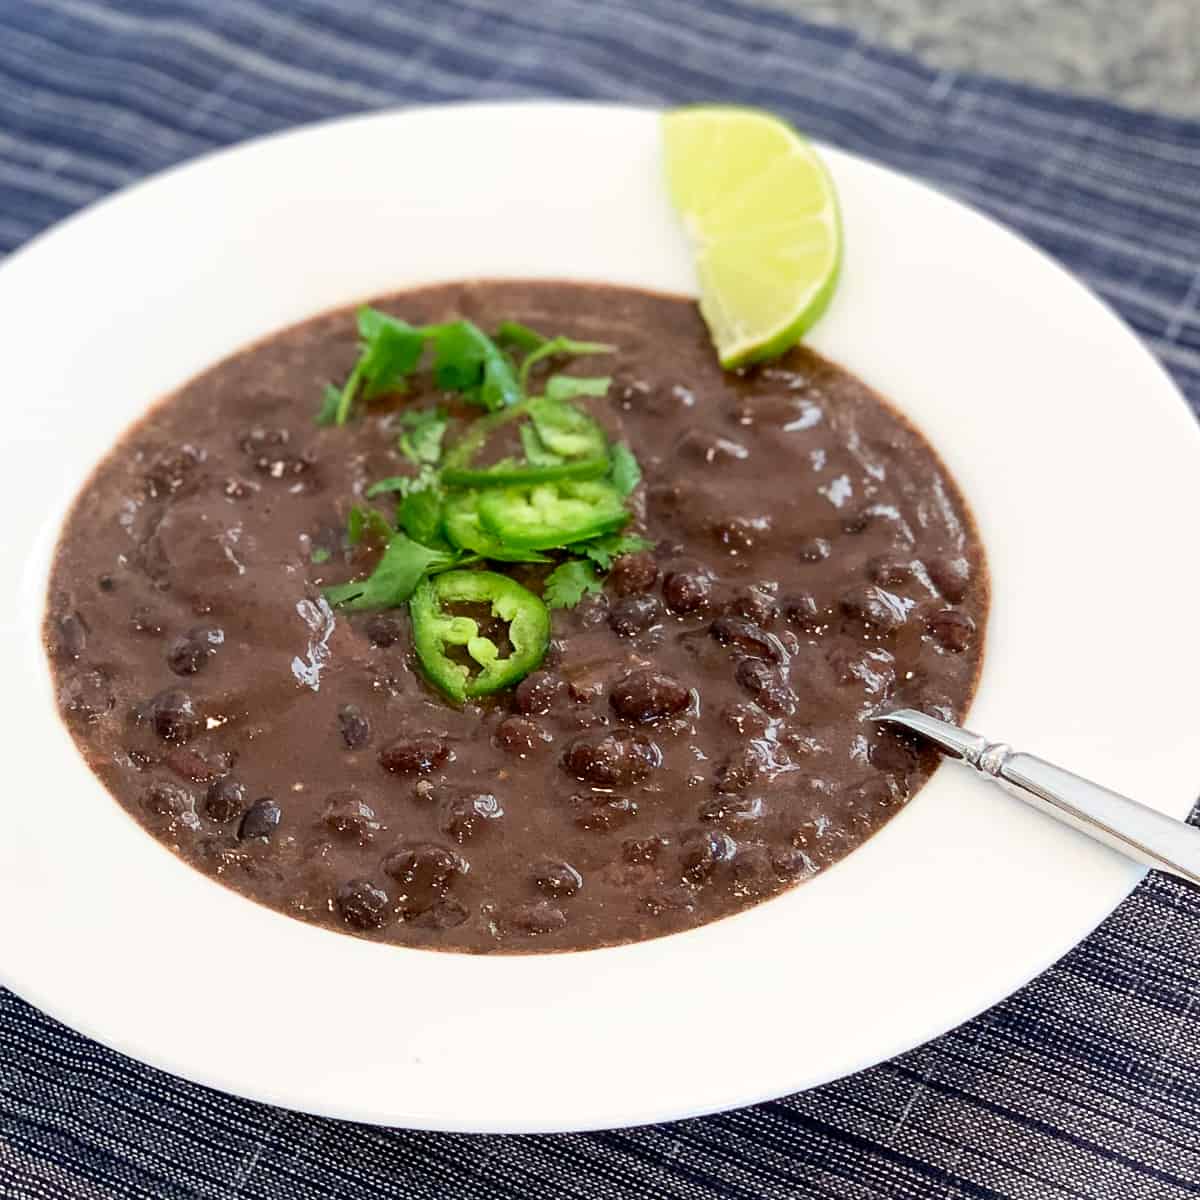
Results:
x,y
1131,828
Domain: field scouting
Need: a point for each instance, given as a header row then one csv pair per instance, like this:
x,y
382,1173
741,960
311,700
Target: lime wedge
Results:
x,y
762,215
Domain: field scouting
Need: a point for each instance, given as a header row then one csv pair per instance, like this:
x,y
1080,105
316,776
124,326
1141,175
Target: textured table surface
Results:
x,y
1144,53
1086,1084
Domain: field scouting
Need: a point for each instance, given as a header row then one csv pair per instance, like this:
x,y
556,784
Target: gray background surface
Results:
x,y
1143,53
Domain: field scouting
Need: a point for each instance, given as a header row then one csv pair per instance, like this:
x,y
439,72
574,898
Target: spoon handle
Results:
x,y
1132,829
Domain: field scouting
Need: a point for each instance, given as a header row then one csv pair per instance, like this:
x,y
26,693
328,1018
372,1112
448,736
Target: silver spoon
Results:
x,y
1122,824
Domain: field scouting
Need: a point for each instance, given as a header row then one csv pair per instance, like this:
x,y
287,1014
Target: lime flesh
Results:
x,y
762,215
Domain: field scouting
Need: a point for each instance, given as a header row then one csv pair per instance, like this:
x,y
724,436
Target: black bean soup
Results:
x,y
698,737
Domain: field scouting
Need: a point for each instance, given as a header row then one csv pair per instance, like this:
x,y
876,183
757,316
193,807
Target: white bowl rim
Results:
x,y
912,317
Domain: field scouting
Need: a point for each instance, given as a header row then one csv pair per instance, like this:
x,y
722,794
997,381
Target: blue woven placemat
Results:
x,y
1086,1083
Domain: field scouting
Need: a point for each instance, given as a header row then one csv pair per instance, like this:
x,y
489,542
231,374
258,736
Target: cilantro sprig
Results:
x,y
569,582
432,519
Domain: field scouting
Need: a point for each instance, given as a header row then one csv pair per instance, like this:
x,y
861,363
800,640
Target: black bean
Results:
x,y
556,878
70,636
859,522
424,873
873,669
424,867
520,736
643,850
354,727
874,607
633,573
462,815
106,583
790,862
745,720
189,652
645,696
347,816
260,820
871,795
446,913
633,615
767,685
668,898
602,813
813,549
192,765
362,904
536,693
384,630
611,759
592,610
731,810
951,630
532,920
950,576
745,635
415,754
753,871
224,800
802,610
701,850
173,715
740,770
167,800
686,591
754,604
889,571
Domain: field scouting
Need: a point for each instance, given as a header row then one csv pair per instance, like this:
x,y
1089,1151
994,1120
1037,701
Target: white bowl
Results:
x,y
1071,444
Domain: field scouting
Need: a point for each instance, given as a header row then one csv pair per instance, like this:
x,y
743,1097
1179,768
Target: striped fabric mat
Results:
x,y
1086,1083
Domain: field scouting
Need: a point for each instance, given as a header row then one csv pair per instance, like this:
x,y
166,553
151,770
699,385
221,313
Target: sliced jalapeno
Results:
x,y
575,448
436,631
463,528
565,429
509,472
548,515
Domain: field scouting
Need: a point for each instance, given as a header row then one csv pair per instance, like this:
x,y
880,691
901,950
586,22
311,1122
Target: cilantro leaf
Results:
x,y
319,555
513,333
569,582
403,565
567,387
367,522
626,474
403,484
559,345
602,550
330,403
389,351
422,440
421,517
466,360
499,388
392,349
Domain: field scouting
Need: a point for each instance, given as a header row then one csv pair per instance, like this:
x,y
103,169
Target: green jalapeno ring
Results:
x,y
463,528
546,516
434,630
564,430
508,473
